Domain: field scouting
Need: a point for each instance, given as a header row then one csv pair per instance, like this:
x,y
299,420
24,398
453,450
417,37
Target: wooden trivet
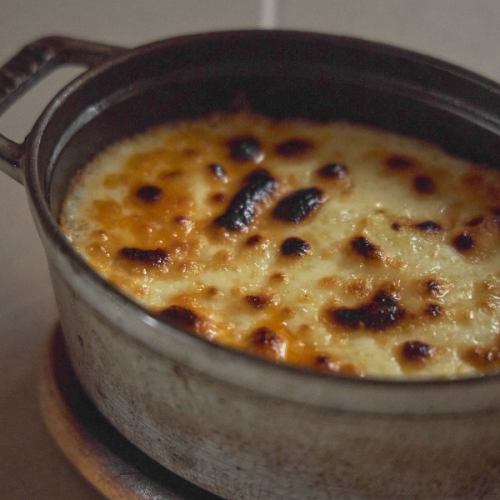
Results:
x,y
106,459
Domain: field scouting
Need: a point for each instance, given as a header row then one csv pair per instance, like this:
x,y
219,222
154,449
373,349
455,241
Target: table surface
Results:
x,y
461,31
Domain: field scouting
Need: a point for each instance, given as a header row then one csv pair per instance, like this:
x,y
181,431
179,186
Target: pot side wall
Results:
x,y
239,444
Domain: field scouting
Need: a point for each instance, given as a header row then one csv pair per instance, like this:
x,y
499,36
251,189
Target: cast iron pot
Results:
x,y
239,426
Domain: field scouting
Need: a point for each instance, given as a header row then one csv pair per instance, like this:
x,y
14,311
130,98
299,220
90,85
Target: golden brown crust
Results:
x,y
347,249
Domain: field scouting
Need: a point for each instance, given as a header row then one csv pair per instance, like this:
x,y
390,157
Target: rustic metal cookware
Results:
x,y
236,425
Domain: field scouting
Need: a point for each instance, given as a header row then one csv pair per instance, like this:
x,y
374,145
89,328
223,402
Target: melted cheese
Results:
x,y
383,260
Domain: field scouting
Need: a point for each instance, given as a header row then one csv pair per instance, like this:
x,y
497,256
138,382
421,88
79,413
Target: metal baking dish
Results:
x,y
236,425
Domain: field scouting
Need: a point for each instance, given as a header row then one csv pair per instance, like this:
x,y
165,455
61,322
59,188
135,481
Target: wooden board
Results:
x,y
99,452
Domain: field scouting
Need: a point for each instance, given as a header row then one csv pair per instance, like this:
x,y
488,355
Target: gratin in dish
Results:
x,y
331,246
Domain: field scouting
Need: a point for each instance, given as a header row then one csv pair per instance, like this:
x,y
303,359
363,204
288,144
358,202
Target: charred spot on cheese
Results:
x,y
218,171
298,205
257,301
366,249
475,221
294,247
333,171
496,215
257,187
382,312
253,240
189,151
264,336
484,358
416,351
245,149
433,287
266,340
326,363
182,317
180,219
278,278
171,174
396,226
463,242
149,193
433,310
399,162
293,147
428,226
212,291
218,197
154,257
424,184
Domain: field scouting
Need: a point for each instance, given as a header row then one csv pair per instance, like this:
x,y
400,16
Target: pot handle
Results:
x,y
31,64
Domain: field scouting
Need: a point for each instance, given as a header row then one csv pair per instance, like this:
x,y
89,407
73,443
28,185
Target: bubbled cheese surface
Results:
x,y
332,246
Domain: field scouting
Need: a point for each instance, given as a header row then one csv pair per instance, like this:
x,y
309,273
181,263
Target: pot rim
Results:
x,y
48,226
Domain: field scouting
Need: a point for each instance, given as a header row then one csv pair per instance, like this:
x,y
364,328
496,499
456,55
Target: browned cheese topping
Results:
x,y
336,247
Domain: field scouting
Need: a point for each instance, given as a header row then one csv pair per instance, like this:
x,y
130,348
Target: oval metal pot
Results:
x,y
239,426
